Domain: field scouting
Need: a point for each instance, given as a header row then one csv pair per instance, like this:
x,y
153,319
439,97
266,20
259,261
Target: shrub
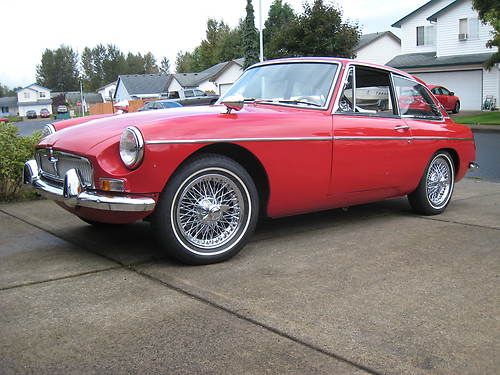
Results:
x,y
14,151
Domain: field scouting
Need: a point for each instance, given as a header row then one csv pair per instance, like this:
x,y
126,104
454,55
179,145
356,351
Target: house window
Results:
x,y
26,95
5,109
426,35
41,94
468,28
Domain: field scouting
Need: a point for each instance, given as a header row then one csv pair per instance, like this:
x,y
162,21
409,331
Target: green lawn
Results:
x,y
486,118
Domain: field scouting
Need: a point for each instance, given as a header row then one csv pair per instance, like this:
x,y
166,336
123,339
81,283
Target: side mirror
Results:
x,y
452,93
234,102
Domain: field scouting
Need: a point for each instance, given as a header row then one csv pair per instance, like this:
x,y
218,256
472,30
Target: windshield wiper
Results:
x,y
299,102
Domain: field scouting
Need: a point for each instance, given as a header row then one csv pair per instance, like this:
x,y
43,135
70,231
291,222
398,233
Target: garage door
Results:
x,y
467,85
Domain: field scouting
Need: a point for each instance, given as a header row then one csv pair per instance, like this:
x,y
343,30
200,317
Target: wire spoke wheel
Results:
x,y
210,211
438,182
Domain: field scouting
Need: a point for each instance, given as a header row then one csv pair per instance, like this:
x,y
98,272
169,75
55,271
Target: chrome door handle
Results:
x,y
401,127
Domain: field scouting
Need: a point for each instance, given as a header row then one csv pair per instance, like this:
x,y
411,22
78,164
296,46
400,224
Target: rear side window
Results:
x,y
188,93
414,100
173,95
367,91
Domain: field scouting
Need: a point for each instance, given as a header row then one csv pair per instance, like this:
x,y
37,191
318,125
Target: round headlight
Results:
x,y
48,130
131,147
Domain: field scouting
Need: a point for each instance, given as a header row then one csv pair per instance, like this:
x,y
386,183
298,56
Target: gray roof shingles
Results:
x,y
8,101
137,84
429,59
366,39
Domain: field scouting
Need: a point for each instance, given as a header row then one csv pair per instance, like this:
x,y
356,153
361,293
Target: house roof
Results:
x,y
194,79
434,17
33,84
8,101
398,23
137,84
429,59
103,87
366,39
75,96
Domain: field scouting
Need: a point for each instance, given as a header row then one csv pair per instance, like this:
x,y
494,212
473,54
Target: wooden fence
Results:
x,y
105,108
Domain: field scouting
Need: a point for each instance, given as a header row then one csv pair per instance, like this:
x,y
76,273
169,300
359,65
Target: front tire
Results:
x,y
207,211
436,186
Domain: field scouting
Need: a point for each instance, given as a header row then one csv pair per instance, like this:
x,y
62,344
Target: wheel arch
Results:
x,y
243,156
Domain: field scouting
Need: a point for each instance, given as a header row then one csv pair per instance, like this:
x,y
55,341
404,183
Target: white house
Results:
x,y
378,48
33,97
443,42
107,91
217,78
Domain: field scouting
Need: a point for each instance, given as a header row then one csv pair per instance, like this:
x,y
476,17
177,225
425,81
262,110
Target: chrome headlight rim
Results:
x,y
47,130
132,157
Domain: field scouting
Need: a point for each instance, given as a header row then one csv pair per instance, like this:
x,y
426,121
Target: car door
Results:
x,y
189,98
371,142
448,98
201,97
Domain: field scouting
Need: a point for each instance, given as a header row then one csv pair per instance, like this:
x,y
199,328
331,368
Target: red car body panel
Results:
x,y
322,160
59,125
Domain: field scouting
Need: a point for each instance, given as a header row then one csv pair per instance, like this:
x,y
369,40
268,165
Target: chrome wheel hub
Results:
x,y
210,211
438,182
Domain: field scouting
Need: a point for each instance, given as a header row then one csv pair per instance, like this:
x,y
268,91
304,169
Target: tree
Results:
x,y
489,12
319,31
5,91
165,66
58,69
280,16
250,37
149,62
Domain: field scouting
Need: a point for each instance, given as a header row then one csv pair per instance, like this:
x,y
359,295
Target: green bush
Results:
x,y
15,118
14,151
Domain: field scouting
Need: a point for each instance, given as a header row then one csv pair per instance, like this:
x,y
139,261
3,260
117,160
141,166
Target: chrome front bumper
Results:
x,y
473,165
73,193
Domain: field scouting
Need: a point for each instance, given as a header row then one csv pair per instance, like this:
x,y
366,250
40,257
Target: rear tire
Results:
x,y
436,186
457,107
207,211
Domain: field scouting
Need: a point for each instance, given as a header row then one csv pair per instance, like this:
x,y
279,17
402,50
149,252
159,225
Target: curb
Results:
x,y
483,127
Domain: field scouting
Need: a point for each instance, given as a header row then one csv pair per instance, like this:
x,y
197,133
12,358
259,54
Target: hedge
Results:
x,y
14,151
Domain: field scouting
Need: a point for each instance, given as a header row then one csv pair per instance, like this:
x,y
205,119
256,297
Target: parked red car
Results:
x,y
447,98
4,119
291,136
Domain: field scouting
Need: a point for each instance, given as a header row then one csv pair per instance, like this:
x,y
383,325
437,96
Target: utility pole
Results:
x,y
81,97
261,39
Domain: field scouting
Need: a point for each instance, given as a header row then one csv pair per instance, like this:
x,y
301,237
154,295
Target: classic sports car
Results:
x,y
291,136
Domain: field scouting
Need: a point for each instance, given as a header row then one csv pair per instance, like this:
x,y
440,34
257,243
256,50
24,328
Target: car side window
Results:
x,y
436,91
414,100
188,93
367,91
173,95
445,91
199,93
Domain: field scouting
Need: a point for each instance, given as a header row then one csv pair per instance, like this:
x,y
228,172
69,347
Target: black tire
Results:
x,y
208,211
423,200
457,107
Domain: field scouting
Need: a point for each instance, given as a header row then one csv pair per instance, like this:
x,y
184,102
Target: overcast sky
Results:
x,y
163,27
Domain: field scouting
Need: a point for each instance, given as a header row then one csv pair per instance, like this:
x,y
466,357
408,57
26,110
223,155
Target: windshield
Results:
x,y
301,83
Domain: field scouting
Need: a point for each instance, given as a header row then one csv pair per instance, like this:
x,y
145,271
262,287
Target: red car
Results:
x,y
291,136
3,119
447,98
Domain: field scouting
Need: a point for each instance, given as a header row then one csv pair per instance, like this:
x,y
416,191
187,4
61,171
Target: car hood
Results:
x,y
83,137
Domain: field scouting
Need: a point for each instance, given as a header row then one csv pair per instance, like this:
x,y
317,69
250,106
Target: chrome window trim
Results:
x,y
330,92
300,139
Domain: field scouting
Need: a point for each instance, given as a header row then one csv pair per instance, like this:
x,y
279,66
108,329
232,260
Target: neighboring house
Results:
x,y
141,86
72,98
107,92
378,48
443,43
217,78
33,97
8,106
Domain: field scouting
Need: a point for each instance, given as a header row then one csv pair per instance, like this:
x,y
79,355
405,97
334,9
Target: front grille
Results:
x,y
54,164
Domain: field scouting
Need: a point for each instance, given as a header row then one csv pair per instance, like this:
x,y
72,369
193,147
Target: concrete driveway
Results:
x,y
375,289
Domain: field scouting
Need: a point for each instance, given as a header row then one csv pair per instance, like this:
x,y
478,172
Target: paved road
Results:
x,y
28,127
375,290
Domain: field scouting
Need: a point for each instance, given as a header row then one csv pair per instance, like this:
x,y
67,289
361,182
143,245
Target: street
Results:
x,y
375,289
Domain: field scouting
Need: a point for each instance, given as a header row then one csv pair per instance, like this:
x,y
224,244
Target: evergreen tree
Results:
x,y
279,18
165,66
58,69
150,66
250,37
